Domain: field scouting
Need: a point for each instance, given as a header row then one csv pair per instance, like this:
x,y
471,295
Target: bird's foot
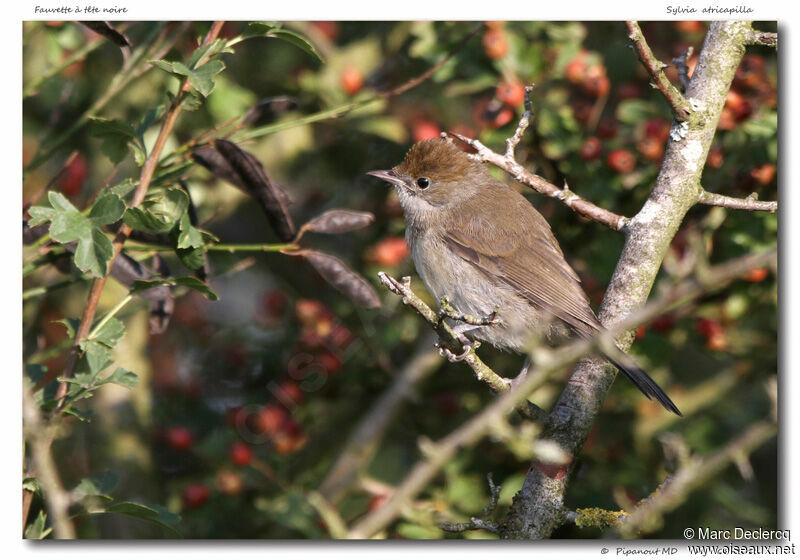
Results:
x,y
451,356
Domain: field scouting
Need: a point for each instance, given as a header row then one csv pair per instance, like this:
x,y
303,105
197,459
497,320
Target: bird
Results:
x,y
484,247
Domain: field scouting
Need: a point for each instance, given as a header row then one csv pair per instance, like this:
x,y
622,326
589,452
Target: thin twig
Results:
x,y
40,437
540,185
449,338
680,106
695,472
522,125
148,169
763,38
749,203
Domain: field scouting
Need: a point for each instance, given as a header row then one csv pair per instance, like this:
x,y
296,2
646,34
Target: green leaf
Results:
x,y
122,377
31,485
36,530
186,281
258,29
159,212
202,79
116,134
67,224
101,484
153,514
110,333
189,235
107,209
92,255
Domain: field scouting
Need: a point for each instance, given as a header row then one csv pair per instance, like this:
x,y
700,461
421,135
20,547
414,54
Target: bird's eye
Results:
x,y
423,182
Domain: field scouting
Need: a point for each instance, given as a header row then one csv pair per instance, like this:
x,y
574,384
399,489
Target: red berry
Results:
x,y
575,70
241,454
179,438
330,29
352,80
309,311
390,251
756,275
503,118
596,85
657,128
274,303
640,332
494,44
330,362
73,176
715,157
764,174
708,327
690,26
650,148
496,25
621,161
229,482
582,111
739,105
591,148
662,323
290,439
289,393
511,93
750,72
425,130
195,495
271,419
607,128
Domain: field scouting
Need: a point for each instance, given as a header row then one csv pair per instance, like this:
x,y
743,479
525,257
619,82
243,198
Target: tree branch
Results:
x,y
547,362
695,471
763,38
680,106
750,203
537,509
509,164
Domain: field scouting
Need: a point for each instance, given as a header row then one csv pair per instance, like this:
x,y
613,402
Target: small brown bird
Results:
x,y
482,245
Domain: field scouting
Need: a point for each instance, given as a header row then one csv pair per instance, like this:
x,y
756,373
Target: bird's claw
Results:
x,y
445,352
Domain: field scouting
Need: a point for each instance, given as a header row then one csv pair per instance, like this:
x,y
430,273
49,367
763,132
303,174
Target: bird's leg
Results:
x,y
523,372
466,343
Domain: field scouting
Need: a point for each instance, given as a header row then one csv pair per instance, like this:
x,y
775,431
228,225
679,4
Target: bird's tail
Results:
x,y
640,378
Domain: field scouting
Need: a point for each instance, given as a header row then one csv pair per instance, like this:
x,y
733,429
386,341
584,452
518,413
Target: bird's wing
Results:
x,y
522,252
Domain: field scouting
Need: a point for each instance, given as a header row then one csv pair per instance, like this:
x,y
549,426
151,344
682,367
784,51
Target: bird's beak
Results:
x,y
387,175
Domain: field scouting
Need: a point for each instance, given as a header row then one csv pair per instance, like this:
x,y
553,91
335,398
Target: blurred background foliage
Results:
x,y
244,403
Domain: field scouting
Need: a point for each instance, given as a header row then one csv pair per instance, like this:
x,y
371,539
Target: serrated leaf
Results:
x,y
71,323
202,79
97,356
164,65
40,215
82,415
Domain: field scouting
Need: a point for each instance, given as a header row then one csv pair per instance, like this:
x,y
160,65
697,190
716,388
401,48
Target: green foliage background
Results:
x,y
276,321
